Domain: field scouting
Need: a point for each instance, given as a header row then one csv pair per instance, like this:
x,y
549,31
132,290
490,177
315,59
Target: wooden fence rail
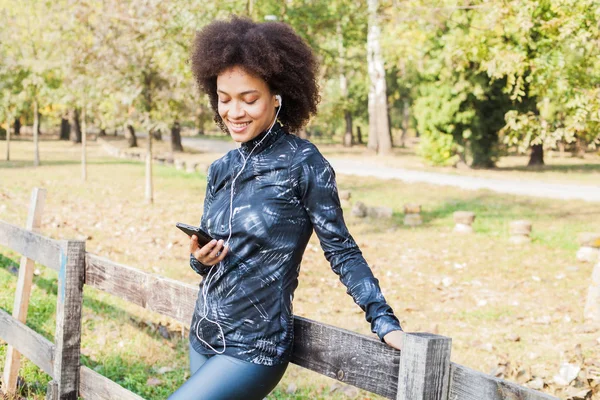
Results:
x,y
422,371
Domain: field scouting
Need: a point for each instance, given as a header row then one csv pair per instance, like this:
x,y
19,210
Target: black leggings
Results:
x,y
222,377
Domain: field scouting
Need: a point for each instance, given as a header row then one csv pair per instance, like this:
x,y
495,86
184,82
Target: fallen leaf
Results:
x,y
291,389
578,393
153,382
523,376
513,337
566,374
536,384
164,370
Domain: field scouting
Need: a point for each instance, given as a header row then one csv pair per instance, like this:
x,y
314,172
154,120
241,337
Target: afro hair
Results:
x,y
269,50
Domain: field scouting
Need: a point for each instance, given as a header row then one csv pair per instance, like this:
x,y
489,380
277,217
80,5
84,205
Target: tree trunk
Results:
x,y
39,125
250,8
149,186
561,148
65,129
36,133
379,128
8,139
580,148
17,126
75,126
176,138
536,158
83,146
389,119
131,139
102,132
348,140
201,122
359,137
157,134
202,119
405,122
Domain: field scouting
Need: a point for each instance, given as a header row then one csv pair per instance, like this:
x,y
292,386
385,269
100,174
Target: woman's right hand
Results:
x,y
209,253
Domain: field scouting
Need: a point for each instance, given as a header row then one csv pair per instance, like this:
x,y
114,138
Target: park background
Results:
x,y
504,90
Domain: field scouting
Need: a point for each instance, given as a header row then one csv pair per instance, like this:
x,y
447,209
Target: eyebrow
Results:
x,y
243,93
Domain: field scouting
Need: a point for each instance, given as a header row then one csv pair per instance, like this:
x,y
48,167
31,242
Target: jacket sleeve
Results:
x,y
313,181
196,265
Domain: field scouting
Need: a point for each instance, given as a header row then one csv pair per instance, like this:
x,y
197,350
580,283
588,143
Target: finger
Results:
x,y
223,254
205,250
194,244
216,249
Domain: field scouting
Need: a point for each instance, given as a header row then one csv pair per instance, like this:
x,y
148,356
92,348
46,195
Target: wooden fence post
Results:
x,y
23,291
68,319
52,391
424,367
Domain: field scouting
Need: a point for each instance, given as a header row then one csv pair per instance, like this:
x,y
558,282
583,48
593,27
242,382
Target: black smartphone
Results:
x,y
203,237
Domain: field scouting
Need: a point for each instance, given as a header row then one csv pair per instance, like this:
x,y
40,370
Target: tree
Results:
x,y
558,69
31,51
11,93
379,129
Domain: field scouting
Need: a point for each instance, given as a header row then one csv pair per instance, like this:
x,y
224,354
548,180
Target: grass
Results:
x,y
477,289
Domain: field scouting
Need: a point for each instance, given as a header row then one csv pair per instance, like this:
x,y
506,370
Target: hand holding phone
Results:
x,y
210,254
204,248
203,237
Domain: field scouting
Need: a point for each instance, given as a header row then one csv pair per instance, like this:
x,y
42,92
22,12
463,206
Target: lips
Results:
x,y
238,127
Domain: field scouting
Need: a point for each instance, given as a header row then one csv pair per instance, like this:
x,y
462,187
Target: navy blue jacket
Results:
x,y
286,190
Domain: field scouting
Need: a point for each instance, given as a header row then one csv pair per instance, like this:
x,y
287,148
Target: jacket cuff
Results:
x,y
197,266
385,324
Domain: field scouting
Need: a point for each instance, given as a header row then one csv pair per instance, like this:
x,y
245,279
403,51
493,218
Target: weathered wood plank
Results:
x,y
23,291
31,245
172,298
346,356
31,344
68,319
467,384
93,386
162,295
424,367
125,282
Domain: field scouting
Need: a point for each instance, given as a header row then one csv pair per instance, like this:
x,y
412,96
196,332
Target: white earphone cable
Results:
x,y
210,277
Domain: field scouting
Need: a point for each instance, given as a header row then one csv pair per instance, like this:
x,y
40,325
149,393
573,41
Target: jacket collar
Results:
x,y
271,138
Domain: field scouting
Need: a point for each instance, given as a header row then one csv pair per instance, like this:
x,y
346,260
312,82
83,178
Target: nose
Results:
x,y
236,110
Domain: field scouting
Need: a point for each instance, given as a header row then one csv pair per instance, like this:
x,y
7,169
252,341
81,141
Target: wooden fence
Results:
x,y
422,371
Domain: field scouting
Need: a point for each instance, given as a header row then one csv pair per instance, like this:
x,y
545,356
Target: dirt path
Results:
x,y
206,144
526,188
364,168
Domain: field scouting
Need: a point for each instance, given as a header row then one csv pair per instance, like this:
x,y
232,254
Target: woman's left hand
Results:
x,y
394,339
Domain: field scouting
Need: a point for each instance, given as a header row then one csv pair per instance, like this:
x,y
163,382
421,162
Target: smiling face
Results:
x,y
246,103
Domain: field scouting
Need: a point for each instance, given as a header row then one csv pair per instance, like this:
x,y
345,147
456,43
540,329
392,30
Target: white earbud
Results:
x,y
278,97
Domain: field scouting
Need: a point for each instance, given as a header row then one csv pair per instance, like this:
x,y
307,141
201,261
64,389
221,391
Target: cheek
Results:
x,y
258,111
221,109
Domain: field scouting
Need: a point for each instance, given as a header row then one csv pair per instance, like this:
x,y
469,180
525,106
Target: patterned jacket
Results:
x,y
286,190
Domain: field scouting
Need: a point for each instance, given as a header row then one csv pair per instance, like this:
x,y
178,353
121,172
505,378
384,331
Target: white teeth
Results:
x,y
239,125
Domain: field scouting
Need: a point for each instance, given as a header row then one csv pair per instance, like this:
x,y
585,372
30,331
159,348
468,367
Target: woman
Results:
x,y
263,201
